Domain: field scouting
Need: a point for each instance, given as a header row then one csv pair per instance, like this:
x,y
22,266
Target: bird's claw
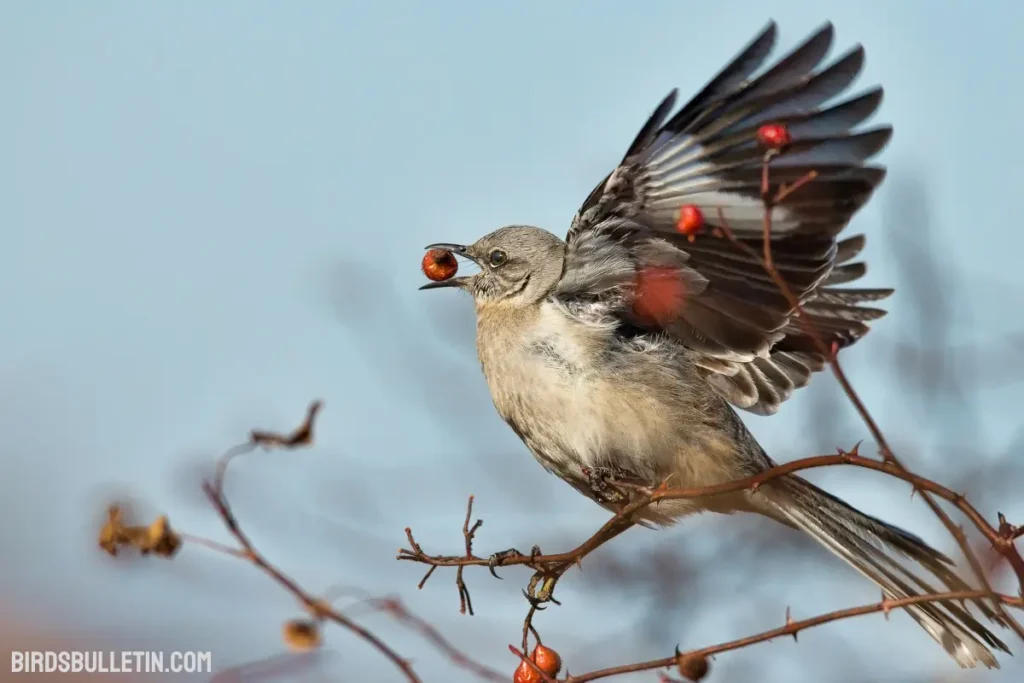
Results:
x,y
497,559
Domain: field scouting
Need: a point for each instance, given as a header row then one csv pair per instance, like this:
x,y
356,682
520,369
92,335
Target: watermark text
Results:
x,y
125,661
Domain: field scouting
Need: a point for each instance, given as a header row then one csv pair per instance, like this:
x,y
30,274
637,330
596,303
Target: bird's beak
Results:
x,y
458,282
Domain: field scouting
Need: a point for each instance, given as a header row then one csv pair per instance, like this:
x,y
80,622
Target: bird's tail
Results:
x,y
873,548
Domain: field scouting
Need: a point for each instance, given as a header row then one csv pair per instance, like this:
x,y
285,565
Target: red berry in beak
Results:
x,y
440,264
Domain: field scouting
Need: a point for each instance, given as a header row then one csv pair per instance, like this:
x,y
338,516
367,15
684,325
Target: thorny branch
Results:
x,y
693,664
792,628
996,536
303,633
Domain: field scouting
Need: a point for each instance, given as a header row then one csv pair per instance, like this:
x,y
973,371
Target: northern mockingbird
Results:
x,y
599,383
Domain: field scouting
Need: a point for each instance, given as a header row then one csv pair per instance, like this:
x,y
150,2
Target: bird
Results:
x,y
623,353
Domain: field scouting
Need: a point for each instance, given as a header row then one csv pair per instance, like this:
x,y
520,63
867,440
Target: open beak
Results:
x,y
458,282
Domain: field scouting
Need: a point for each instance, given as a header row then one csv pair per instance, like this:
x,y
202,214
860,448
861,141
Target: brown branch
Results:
x,y
528,627
465,603
214,546
318,608
395,608
792,628
315,606
306,633
302,436
751,483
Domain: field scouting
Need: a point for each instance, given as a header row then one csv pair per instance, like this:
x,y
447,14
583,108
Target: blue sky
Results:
x,y
212,213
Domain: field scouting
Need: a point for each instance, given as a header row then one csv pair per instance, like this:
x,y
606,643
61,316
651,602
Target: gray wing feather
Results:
x,y
623,247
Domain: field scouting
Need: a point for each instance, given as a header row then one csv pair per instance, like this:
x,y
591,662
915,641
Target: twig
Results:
x,y
320,610
314,605
214,545
528,627
302,436
395,608
465,602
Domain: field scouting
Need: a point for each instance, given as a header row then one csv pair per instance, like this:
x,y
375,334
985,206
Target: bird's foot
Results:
x,y
498,559
603,492
542,587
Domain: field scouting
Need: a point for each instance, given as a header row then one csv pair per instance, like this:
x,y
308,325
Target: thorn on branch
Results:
x,y
852,453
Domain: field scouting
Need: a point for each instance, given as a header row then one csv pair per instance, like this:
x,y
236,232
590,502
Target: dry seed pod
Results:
x,y
301,635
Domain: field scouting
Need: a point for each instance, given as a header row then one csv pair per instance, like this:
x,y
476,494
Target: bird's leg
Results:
x,y
600,488
542,583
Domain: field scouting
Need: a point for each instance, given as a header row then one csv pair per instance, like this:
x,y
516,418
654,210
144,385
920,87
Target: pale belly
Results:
x,y
644,418
590,420
554,387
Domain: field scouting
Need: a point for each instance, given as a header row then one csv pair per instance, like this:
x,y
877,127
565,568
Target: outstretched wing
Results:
x,y
627,259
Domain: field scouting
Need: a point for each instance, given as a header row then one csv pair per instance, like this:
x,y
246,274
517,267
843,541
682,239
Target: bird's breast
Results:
x,y
543,359
550,381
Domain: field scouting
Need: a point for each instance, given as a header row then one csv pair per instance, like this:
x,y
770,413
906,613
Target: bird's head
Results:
x,y
519,265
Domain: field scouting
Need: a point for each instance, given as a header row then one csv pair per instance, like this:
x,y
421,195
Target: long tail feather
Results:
x,y
863,541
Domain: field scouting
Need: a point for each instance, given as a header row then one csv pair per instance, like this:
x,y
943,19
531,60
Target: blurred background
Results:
x,y
213,213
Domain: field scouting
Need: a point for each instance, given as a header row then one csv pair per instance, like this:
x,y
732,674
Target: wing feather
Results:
x,y
716,299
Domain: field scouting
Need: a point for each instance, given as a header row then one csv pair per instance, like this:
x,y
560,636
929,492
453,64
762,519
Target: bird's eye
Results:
x,y
497,257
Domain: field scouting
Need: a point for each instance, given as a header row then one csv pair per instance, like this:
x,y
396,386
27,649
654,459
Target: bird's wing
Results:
x,y
627,259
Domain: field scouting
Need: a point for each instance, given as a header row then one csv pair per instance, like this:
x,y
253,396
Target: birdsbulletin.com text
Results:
x,y
125,661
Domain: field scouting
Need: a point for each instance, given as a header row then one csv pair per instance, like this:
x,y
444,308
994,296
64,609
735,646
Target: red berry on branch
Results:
x,y
547,660
692,667
691,221
773,136
439,264
526,674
